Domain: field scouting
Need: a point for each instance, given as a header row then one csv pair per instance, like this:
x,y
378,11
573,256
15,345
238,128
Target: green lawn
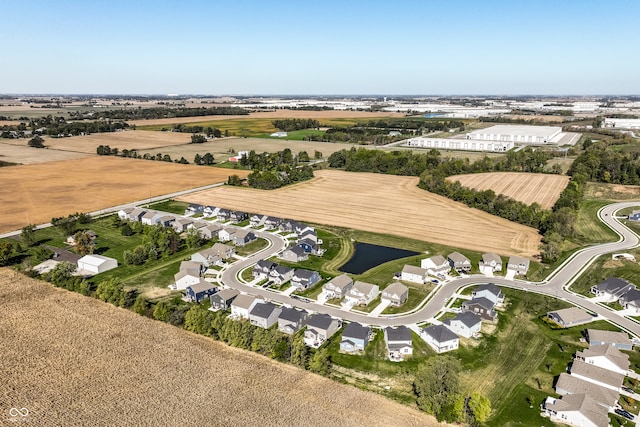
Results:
x,y
171,206
589,229
417,294
295,135
252,247
604,267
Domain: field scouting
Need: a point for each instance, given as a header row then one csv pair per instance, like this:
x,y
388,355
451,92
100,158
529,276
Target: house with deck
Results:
x,y
436,266
183,280
222,300
489,291
294,254
355,337
569,384
606,357
597,375
291,320
578,410
483,307
569,317
440,338
200,291
399,343
620,340
465,324
320,327
264,315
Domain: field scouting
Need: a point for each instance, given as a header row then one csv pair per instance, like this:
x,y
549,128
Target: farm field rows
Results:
x,y
17,151
381,204
36,193
528,188
108,366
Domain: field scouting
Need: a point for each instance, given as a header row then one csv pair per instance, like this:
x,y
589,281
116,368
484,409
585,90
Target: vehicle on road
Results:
x,y
626,414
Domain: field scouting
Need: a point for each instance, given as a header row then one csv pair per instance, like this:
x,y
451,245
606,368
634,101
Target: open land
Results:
x,y
528,188
36,193
381,204
612,192
22,154
108,366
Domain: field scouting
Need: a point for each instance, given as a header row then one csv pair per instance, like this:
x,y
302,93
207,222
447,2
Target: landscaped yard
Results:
x,y
605,267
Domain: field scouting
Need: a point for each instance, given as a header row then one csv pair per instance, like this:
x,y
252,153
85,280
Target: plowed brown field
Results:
x,y
528,188
382,204
36,193
75,361
129,140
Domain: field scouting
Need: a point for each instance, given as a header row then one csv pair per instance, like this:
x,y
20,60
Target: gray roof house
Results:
x,y
124,213
263,268
223,214
518,265
459,262
264,315
319,328
238,216
576,410
222,300
304,279
136,214
337,287
396,293
569,317
597,375
242,304
482,307
490,261
291,320
210,231
612,288
243,237
281,274
619,340
489,291
181,224
192,267
225,251
399,343
414,274
465,324
207,257
355,337
569,384
440,338
606,357
200,291
436,265
362,293
630,296
256,220
294,254
272,222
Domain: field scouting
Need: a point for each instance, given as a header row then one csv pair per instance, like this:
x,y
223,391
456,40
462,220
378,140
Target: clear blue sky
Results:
x,y
320,47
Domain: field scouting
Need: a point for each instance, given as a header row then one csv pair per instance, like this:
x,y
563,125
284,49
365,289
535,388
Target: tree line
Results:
x,y
289,125
160,113
199,159
598,162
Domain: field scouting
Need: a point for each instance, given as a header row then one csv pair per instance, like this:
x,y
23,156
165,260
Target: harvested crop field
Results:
x,y
130,139
382,204
277,114
75,361
36,193
22,154
528,188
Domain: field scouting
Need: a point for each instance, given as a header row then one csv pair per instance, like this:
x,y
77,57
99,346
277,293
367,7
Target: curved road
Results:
x,y
555,285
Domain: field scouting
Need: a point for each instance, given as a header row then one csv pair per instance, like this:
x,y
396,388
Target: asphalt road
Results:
x,y
555,285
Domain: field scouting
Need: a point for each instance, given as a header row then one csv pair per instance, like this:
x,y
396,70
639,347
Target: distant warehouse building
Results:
x,y
460,144
518,134
621,123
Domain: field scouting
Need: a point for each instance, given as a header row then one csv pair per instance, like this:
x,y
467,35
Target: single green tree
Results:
x,y
28,235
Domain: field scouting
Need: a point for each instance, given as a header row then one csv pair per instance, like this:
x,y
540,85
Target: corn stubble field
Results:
x,y
36,193
75,361
381,204
528,188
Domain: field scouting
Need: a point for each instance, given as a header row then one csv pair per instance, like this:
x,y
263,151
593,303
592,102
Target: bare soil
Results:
x,y
20,153
75,361
36,193
528,188
382,204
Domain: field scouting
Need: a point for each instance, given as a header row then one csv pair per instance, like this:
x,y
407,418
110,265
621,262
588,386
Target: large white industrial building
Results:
x,y
519,134
621,123
461,144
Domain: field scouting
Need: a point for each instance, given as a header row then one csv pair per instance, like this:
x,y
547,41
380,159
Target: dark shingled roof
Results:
x,y
320,321
356,330
292,315
401,333
440,333
263,310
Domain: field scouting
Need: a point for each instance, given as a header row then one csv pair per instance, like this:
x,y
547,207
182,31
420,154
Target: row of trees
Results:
x,y
105,150
598,162
159,113
289,125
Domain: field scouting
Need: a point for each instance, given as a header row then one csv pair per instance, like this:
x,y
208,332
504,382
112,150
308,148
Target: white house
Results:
x,y
399,343
465,324
490,263
242,305
440,338
436,266
362,293
605,356
96,263
517,265
226,234
413,274
184,279
489,291
578,410
599,376
396,294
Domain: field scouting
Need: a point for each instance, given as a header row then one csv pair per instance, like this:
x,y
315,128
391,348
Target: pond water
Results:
x,y
367,256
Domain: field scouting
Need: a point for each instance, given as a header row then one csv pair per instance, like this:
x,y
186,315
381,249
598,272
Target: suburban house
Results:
x,y
337,287
518,265
568,384
300,228
399,343
413,274
200,291
164,220
309,235
634,215
147,218
465,324
207,257
210,231
242,304
599,376
294,254
226,234
256,220
272,222
490,262
355,337
319,328
192,267
224,251
620,340
612,289
631,296
281,274
197,225
124,213
136,214
569,317
362,293
459,262
440,338
264,315
578,410
291,320
287,225
243,237
183,280
304,279
489,291
222,300
436,266
181,224
223,214
95,264
210,211
193,209
396,294
238,216
310,247
482,307
263,268
606,357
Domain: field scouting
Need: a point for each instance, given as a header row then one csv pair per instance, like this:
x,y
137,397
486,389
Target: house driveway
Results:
x,y
380,308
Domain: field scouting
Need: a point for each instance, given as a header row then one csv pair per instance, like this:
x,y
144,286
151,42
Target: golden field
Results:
x,y
381,204
75,361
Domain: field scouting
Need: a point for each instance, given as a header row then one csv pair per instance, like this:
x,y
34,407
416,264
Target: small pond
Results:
x,y
367,256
